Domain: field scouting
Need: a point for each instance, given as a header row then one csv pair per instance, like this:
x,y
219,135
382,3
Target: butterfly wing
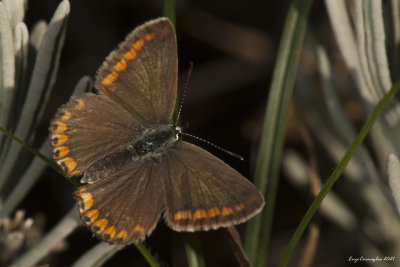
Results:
x,y
87,129
141,75
127,205
203,192
139,81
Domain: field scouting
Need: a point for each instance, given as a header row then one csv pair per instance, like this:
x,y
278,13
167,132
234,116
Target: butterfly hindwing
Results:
x,y
203,192
126,205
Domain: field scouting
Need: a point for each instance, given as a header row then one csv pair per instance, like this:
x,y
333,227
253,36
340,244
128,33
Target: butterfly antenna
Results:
x,y
184,91
187,125
214,145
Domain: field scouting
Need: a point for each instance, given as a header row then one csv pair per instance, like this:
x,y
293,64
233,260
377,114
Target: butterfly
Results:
x,y
134,164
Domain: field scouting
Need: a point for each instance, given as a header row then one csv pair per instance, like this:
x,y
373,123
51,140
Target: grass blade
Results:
x,y
270,152
336,174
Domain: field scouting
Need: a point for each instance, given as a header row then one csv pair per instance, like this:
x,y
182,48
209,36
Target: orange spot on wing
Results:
x,y
110,78
239,207
138,228
199,214
130,55
86,200
138,45
80,105
120,65
227,211
110,231
58,139
59,127
183,215
68,165
100,225
214,212
60,152
66,115
91,216
122,234
149,37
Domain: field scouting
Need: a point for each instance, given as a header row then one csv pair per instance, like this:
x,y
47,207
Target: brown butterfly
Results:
x,y
134,166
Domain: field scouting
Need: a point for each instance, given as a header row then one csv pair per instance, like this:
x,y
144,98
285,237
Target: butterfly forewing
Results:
x,y
204,192
141,75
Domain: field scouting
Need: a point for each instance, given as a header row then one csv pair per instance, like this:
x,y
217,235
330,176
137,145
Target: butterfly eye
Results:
x,y
178,130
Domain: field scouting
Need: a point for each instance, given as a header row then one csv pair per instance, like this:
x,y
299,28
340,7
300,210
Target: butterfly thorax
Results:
x,y
152,142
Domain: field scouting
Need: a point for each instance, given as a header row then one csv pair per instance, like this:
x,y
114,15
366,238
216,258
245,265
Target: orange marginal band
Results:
x,y
122,64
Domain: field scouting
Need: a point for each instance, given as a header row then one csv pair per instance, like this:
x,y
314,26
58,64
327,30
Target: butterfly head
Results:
x,y
177,130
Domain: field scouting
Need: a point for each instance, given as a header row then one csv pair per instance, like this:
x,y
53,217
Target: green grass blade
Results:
x,y
336,174
193,250
169,10
269,158
147,255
